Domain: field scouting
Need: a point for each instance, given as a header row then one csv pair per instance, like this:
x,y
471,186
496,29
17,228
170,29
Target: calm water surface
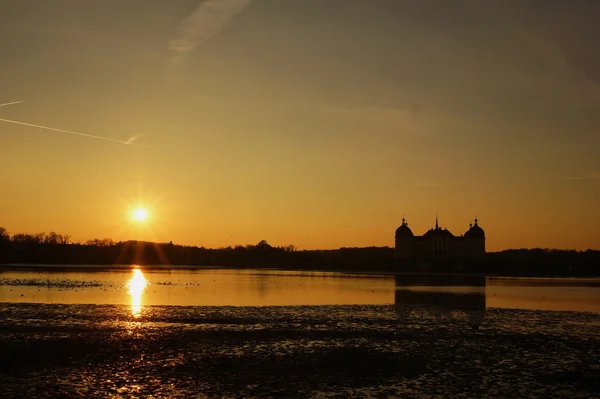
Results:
x,y
138,287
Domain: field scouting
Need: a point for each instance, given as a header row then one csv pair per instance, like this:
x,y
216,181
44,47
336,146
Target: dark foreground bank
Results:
x,y
90,351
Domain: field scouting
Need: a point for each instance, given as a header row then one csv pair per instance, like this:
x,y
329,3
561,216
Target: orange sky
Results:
x,y
300,122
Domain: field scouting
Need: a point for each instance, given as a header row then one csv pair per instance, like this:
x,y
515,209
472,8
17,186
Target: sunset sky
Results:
x,y
318,123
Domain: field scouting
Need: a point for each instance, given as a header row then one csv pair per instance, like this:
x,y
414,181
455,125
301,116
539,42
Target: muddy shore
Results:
x,y
90,351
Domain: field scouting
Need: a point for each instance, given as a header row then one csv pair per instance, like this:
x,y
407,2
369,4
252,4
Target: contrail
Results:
x,y
14,102
207,20
74,133
131,140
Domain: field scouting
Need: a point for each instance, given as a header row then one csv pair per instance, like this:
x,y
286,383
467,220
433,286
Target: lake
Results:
x,y
132,332
227,287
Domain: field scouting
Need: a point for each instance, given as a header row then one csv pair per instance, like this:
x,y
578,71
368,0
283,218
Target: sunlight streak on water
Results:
x,y
137,285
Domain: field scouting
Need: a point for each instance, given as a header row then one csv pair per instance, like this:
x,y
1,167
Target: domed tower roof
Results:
x,y
404,230
475,231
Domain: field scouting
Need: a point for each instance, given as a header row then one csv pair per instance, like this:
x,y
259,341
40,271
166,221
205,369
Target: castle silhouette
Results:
x,y
440,244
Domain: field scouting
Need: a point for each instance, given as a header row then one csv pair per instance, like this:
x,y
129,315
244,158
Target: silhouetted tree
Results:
x,y
4,235
97,242
263,244
56,248
64,239
39,238
22,238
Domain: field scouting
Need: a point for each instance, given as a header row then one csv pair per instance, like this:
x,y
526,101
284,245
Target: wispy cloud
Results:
x,y
207,20
439,184
130,141
589,176
14,102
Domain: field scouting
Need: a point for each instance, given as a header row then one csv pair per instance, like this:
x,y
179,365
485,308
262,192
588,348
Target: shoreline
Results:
x,y
370,273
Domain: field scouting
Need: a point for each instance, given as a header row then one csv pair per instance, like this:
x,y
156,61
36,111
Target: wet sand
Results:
x,y
90,351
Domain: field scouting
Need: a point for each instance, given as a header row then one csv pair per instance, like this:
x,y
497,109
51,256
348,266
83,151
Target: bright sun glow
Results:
x,y
140,214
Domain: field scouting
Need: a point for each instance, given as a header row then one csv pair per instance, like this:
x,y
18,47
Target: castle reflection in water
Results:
x,y
443,296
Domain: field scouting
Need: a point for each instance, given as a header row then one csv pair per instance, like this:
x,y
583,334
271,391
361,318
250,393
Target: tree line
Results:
x,y
55,248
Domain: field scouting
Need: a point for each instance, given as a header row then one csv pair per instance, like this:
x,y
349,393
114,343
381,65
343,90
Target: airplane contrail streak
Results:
x,y
131,140
74,133
14,102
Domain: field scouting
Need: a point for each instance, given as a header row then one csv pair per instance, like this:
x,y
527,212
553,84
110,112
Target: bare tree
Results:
x,y
96,242
52,238
22,238
4,235
64,239
39,238
289,248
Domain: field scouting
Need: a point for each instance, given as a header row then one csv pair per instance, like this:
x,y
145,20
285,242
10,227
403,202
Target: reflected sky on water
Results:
x,y
138,287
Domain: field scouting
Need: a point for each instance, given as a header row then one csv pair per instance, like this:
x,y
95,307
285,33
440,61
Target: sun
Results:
x,y
140,214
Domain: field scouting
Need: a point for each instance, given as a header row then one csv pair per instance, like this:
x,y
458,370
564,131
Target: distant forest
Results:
x,y
56,249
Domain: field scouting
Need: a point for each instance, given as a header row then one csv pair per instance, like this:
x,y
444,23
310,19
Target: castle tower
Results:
x,y
404,245
476,240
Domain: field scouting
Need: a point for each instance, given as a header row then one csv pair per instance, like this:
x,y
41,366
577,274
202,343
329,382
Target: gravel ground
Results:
x,y
95,351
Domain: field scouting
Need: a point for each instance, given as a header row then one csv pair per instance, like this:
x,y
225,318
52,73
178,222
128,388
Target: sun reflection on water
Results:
x,y
137,285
